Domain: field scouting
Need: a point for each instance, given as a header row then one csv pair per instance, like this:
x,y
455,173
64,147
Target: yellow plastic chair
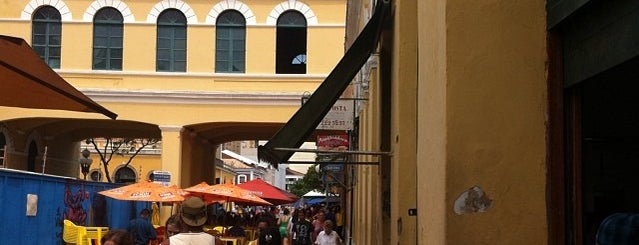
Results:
x,y
74,234
219,229
96,233
81,235
231,240
249,234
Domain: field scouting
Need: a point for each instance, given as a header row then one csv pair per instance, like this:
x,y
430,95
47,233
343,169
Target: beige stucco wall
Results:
x,y
404,177
367,195
482,103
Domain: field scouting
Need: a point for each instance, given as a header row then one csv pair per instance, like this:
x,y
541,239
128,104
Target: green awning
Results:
x,y
298,129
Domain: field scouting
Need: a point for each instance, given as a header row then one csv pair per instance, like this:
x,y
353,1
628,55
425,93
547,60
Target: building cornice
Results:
x,y
192,97
191,74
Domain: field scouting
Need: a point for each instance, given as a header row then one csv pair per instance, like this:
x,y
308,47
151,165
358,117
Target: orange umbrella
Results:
x,y
145,191
208,199
227,192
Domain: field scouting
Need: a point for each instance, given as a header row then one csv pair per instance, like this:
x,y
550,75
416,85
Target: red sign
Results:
x,y
332,142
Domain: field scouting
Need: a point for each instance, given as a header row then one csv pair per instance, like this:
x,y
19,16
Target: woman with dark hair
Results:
x,y
117,237
173,226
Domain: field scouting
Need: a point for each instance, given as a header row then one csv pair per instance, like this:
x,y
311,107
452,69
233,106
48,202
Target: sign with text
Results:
x,y
340,117
332,142
332,170
161,177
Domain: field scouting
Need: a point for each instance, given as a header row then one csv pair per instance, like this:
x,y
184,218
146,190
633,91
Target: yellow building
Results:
x,y
457,96
193,73
490,122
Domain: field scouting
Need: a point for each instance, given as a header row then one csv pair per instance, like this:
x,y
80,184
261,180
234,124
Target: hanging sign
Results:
x,y
340,117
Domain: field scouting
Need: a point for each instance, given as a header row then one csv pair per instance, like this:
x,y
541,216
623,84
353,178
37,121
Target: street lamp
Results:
x,y
85,162
305,96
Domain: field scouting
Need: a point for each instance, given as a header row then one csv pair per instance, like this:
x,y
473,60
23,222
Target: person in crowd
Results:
x,y
318,223
328,236
141,228
339,221
619,229
268,233
117,237
330,214
236,231
173,226
292,222
302,230
282,221
193,216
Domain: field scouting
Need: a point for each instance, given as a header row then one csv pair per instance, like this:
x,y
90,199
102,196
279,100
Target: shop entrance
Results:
x,y
603,149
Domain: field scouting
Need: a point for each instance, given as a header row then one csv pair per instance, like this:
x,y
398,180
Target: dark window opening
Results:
x,y
291,43
230,42
95,175
171,41
46,35
31,156
107,39
125,175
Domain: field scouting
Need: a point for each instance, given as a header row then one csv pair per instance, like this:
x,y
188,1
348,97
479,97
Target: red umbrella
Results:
x,y
268,192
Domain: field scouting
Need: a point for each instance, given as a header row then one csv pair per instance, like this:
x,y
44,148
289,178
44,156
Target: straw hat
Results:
x,y
193,211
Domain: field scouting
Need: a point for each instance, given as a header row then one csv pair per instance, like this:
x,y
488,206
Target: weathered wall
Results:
x,y
482,102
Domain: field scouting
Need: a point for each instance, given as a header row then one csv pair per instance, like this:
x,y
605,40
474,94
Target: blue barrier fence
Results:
x,y
58,198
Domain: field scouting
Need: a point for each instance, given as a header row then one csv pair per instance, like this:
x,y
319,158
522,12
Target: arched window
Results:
x,y
230,42
95,175
291,43
107,39
3,149
171,41
46,34
125,175
241,179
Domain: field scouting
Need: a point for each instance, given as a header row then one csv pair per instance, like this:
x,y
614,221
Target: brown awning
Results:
x,y
297,130
27,81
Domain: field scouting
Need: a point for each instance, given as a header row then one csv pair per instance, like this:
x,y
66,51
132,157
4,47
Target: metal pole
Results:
x,y
374,153
350,228
44,159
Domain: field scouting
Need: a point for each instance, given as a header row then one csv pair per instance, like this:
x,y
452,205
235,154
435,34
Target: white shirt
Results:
x,y
330,239
186,238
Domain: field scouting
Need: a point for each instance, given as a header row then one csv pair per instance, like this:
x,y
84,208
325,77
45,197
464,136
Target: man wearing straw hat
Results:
x,y
193,215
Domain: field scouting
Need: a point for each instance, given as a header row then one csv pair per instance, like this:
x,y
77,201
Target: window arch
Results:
x,y
241,178
46,35
230,42
95,175
171,41
291,43
125,175
108,29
